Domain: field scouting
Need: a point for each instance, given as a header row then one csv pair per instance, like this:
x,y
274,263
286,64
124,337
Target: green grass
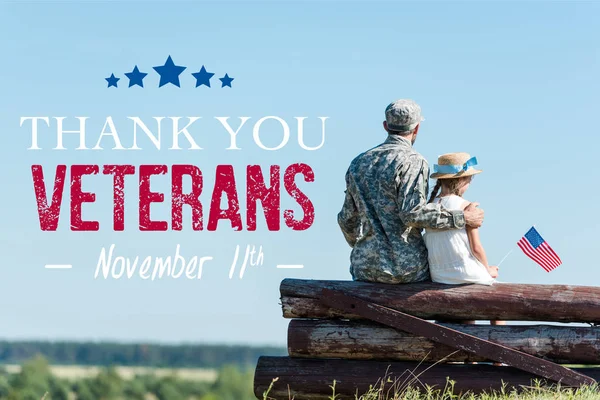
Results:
x,y
406,391
536,392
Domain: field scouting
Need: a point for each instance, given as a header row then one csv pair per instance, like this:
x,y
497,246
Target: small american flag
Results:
x,y
536,248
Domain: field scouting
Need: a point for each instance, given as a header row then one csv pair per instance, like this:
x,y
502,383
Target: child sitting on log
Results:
x,y
457,256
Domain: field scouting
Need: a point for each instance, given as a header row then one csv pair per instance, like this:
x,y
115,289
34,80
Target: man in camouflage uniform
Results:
x,y
386,207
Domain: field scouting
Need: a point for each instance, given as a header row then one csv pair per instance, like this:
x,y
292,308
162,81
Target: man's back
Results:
x,y
383,184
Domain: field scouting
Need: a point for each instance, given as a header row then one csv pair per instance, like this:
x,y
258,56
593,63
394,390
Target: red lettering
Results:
x,y
178,199
269,198
268,194
225,183
119,172
148,197
78,197
48,215
307,206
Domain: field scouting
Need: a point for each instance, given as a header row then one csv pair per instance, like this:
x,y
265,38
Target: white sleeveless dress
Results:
x,y
450,258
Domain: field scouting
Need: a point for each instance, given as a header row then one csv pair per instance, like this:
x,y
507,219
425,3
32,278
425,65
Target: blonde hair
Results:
x,y
452,185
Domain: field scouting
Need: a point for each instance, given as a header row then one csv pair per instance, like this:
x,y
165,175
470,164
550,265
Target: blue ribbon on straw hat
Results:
x,y
455,169
454,165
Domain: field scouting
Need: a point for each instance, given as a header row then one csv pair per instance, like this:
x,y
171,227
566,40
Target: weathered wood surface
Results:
x,y
516,302
455,339
369,340
311,378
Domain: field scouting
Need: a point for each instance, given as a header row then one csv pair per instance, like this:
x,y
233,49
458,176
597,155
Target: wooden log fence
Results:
x,y
358,333
450,337
311,378
300,298
364,340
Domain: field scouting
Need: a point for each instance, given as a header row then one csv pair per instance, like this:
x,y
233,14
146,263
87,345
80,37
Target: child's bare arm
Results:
x,y
479,252
477,248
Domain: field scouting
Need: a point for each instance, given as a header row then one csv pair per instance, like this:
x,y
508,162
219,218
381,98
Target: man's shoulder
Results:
x,y
410,158
416,157
364,156
398,155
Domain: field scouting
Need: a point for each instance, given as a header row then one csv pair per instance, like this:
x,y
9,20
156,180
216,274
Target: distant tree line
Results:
x,y
35,382
150,355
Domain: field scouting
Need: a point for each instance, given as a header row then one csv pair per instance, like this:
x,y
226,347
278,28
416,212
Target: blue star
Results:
x,y
202,77
169,73
226,81
136,77
112,80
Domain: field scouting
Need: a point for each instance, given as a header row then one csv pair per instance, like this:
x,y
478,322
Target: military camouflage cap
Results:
x,y
403,115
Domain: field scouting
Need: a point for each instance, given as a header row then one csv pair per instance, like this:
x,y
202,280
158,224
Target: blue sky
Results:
x,y
515,84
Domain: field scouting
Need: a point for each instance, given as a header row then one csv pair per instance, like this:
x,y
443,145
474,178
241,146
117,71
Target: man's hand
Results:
x,y
473,215
493,271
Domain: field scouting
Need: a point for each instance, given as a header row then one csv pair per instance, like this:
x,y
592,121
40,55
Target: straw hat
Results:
x,y
454,165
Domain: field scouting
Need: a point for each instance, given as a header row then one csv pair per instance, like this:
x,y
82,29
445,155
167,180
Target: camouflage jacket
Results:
x,y
385,210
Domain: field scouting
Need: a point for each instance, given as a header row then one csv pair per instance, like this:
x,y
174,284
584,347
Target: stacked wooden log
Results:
x,y
344,345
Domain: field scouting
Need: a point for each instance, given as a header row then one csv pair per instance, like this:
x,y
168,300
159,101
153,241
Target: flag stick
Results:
x,y
507,254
